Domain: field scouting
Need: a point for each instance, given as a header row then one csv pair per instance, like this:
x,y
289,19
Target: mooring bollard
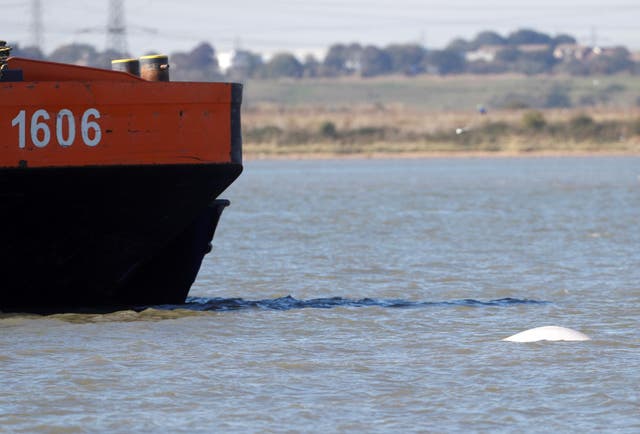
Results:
x,y
154,67
132,66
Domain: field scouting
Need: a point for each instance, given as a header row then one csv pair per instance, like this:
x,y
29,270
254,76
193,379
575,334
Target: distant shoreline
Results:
x,y
251,156
404,132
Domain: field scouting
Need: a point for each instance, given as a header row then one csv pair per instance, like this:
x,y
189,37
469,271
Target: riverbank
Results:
x,y
251,156
399,131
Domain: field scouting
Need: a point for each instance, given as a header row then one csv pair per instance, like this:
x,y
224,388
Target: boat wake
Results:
x,y
289,303
201,305
219,304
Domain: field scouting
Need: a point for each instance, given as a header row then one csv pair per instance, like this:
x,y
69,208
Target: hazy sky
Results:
x,y
300,25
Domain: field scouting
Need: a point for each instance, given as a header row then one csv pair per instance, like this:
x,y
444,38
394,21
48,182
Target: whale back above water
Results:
x,y
548,333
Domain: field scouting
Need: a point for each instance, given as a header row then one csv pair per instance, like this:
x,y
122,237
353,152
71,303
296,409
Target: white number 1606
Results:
x,y
41,133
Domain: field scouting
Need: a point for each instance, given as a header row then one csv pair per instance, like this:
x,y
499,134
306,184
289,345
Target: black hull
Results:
x,y
106,236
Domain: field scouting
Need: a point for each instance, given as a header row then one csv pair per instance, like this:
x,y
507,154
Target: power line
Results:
x,y
36,24
116,28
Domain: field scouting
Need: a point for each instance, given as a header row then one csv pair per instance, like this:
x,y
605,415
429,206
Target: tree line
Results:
x,y
524,51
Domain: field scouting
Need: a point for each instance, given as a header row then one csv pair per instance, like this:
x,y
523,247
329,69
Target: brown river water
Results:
x,y
368,296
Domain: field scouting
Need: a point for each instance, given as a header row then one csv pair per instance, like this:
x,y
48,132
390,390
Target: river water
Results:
x,y
368,296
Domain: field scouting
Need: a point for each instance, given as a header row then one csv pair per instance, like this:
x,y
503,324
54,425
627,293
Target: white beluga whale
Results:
x,y
548,333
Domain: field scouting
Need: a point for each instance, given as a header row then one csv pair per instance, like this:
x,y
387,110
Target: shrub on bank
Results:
x,y
533,120
531,132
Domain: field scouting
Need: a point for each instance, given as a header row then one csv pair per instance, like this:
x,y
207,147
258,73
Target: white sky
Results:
x,y
313,25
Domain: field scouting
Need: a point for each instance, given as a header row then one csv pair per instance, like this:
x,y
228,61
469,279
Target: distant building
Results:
x,y
485,53
571,51
225,60
488,53
606,51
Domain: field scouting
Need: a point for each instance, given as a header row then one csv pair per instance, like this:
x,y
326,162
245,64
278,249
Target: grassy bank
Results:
x,y
428,115
270,131
452,93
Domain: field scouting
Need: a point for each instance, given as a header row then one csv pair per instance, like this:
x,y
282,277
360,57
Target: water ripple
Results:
x,y
289,302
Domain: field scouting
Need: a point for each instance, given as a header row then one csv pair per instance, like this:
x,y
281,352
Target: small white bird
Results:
x,y
548,333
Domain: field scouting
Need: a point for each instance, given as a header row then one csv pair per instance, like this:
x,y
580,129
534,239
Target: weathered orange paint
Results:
x,y
40,70
141,122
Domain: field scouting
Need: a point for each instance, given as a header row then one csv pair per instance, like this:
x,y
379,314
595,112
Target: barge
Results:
x,y
109,184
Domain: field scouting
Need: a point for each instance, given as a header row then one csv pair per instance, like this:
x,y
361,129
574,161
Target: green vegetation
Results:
x,y
534,120
454,93
531,131
425,115
524,51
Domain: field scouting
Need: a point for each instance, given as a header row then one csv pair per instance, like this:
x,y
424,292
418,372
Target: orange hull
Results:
x,y
109,184
65,115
